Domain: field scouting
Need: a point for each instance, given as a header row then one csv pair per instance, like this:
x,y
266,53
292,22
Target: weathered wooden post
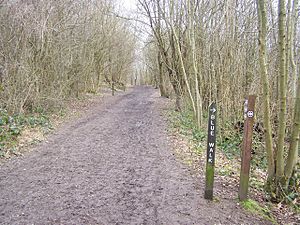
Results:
x,y
246,147
211,147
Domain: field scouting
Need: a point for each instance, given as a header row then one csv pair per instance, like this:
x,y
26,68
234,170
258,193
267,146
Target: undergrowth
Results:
x,y
184,124
229,141
12,125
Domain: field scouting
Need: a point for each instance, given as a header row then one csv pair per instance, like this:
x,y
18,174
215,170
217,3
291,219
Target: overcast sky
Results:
x,y
128,4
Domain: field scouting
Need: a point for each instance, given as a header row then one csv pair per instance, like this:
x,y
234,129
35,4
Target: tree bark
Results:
x,y
194,63
282,92
293,32
294,141
262,25
160,66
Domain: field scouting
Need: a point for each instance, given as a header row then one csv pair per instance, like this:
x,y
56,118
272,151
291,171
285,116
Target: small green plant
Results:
x,y
186,126
229,141
11,126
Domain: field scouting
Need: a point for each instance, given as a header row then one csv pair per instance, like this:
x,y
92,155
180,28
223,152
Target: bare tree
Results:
x,y
53,50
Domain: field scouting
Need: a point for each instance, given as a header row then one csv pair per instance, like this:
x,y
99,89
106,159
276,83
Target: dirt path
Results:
x,y
112,166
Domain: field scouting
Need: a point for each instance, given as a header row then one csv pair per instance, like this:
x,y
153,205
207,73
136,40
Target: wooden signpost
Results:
x,y
211,147
247,145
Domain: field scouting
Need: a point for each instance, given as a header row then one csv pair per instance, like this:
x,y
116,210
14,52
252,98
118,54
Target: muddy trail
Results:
x,y
111,166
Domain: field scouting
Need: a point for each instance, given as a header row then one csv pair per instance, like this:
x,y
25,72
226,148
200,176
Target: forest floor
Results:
x,y
116,164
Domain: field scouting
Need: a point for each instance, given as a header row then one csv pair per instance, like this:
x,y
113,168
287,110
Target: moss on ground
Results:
x,y
253,207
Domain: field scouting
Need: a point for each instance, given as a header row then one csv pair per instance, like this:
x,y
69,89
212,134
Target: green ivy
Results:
x,y
11,126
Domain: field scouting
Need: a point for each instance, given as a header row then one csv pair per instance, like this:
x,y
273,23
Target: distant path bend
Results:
x,y
112,166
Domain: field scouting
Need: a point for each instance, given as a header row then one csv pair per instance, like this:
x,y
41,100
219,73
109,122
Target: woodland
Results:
x,y
222,51
53,52
195,52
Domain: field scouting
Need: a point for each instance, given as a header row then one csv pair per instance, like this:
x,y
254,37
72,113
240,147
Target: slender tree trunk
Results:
x,y
160,68
262,22
294,141
163,52
194,63
293,32
175,40
295,86
288,38
184,71
177,45
161,76
282,91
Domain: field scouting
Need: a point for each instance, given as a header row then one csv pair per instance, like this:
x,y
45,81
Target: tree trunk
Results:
x,y
262,25
160,66
161,84
295,87
183,68
194,64
294,141
282,92
293,32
